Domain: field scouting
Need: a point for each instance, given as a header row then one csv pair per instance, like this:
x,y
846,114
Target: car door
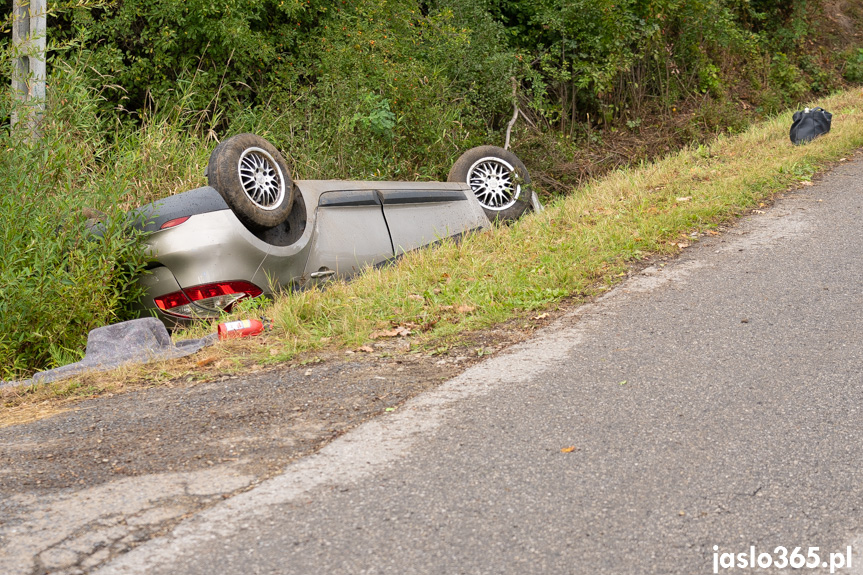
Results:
x,y
350,234
418,217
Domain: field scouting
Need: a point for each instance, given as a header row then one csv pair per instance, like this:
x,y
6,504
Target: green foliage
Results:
x,y
854,66
383,103
379,119
59,280
787,84
62,276
151,48
416,82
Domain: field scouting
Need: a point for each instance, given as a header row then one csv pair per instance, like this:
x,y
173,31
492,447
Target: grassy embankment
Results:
x,y
578,247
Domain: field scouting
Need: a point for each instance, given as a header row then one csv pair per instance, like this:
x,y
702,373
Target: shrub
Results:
x,y
59,279
854,66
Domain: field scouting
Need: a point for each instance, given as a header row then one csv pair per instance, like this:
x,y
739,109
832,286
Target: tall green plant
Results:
x,y
63,273
151,48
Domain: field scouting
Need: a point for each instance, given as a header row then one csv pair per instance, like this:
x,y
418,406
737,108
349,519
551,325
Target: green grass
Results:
x,y
574,248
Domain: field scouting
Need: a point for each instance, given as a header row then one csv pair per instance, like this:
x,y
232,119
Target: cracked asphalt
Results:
x,y
705,406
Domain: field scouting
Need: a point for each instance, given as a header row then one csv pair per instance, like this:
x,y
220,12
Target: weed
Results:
x,y
854,66
62,273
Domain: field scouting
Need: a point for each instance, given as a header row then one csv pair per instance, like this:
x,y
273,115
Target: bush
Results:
x,y
378,99
153,48
854,66
60,280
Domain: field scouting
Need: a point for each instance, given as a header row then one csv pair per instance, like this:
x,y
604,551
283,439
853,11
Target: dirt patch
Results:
x,y
256,423
842,17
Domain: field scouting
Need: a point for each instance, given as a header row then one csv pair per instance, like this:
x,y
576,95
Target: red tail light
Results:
x,y
174,222
207,300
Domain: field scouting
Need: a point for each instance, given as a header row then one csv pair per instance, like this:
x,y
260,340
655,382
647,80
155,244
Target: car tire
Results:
x,y
254,180
498,179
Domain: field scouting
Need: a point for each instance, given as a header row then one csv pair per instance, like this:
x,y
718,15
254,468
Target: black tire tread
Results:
x,y
223,176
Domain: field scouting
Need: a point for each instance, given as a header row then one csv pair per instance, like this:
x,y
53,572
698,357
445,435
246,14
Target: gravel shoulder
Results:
x,y
85,485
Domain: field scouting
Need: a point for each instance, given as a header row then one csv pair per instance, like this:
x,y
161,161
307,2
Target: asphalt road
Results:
x,y
713,404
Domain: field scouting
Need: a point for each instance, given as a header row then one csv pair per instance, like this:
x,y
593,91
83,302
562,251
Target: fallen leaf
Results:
x,y
569,449
540,316
207,361
308,372
436,290
416,297
380,334
684,199
275,351
806,183
395,332
366,348
465,308
682,245
446,307
622,382
390,409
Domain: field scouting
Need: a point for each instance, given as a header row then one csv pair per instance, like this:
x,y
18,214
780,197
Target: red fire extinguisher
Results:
x,y
242,328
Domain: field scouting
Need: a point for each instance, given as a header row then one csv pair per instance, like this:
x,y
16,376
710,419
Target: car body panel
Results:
x,y
208,248
348,238
198,201
345,227
157,281
420,217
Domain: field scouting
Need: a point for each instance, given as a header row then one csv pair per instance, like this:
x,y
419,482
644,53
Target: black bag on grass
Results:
x,y
809,124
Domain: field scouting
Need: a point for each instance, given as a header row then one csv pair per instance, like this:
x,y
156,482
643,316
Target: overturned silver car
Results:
x,y
254,231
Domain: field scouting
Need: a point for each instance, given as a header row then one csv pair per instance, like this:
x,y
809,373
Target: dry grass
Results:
x,y
575,248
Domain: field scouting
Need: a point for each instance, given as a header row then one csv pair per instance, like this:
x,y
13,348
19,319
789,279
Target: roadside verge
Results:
x,y
435,301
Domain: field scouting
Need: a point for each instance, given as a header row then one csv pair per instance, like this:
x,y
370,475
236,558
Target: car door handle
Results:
x,y
322,274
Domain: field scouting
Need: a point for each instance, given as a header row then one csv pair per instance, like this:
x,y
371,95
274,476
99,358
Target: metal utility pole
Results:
x,y
28,74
